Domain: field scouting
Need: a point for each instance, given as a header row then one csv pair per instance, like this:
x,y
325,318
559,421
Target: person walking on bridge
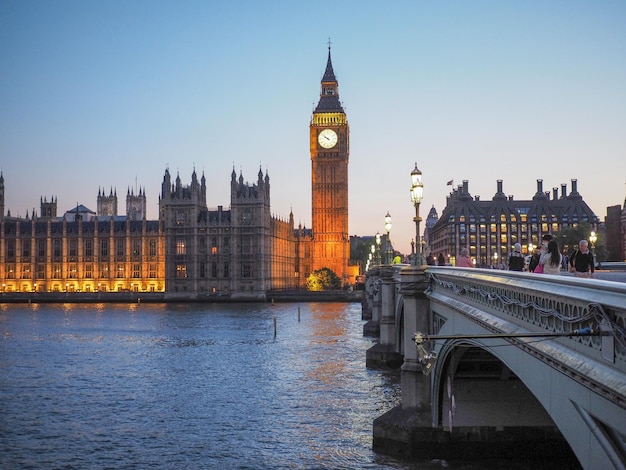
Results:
x,y
551,259
516,259
581,262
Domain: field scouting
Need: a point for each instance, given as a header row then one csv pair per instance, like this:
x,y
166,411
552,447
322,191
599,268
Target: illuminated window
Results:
x,y
120,270
181,271
88,271
104,270
180,247
152,270
136,270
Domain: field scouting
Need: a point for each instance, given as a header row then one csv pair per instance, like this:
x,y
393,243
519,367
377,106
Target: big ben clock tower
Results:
x,y
330,148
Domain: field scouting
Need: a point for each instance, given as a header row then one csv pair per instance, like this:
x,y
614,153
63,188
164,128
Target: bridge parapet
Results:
x,y
557,304
525,392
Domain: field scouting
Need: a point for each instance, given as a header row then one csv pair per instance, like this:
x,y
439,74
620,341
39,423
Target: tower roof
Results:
x,y
329,95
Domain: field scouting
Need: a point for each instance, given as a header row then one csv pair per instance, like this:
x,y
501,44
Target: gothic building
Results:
x,y
79,251
240,252
330,149
489,229
192,250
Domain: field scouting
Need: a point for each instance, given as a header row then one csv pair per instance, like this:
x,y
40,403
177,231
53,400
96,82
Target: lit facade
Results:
x,y
489,229
330,150
79,252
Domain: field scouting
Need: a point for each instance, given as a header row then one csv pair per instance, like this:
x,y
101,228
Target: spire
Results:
x,y
329,73
329,94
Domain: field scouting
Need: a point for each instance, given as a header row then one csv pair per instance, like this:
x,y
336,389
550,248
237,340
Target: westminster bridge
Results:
x,y
500,364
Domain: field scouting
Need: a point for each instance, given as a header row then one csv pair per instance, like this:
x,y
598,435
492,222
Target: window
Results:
x,y
89,248
73,271
41,248
181,271
88,271
152,270
136,270
213,269
11,249
104,270
73,247
104,248
56,248
180,247
119,270
246,270
136,247
119,247
26,249
226,270
153,248
56,271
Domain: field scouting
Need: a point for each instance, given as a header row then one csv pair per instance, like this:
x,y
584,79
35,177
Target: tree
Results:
x,y
323,279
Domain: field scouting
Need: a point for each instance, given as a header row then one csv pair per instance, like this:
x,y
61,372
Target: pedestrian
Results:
x,y
534,261
430,260
464,261
441,261
516,259
551,259
581,262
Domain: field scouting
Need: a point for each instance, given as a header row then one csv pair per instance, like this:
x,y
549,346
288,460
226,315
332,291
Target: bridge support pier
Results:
x,y
386,353
373,294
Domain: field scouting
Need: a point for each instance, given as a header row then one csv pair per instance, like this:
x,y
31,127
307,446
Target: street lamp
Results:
x,y
593,238
388,229
377,248
417,194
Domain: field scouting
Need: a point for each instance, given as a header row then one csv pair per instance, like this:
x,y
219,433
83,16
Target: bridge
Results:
x,y
504,365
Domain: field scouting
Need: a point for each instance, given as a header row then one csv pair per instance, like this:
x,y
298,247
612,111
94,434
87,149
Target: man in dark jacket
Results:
x,y
582,261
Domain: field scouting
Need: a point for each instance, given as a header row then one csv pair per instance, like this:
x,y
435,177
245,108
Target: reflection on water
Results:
x,y
188,386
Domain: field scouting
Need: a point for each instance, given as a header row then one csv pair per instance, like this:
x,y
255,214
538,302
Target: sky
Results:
x,y
109,94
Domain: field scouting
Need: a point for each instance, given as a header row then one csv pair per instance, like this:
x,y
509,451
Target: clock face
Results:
x,y
327,138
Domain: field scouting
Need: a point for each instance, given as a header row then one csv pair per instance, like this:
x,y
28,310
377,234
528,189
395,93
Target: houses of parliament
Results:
x,y
241,251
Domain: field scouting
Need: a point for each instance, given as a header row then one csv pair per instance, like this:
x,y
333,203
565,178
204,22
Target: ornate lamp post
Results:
x,y
388,248
377,248
417,194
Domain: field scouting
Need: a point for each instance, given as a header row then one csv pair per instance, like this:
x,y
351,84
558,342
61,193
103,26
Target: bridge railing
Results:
x,y
543,303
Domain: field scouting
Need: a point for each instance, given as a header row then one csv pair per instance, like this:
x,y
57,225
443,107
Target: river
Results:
x,y
189,386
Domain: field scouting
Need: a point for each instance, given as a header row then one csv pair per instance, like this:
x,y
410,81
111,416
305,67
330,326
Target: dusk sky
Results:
x,y
109,94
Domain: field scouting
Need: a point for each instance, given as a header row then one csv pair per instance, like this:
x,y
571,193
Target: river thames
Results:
x,y
191,386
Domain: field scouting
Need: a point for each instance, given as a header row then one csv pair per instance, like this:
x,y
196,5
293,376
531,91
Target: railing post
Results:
x,y
415,385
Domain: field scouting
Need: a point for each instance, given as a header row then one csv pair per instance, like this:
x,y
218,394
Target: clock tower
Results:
x,y
330,148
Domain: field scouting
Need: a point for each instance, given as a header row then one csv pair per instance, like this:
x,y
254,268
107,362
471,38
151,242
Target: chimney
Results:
x,y
555,193
574,186
499,186
563,190
465,186
539,186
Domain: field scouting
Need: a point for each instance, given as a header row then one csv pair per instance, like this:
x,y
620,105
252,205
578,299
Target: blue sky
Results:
x,y
110,94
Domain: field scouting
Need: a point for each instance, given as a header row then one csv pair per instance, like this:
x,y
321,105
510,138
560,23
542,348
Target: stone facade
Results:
x,y
490,228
